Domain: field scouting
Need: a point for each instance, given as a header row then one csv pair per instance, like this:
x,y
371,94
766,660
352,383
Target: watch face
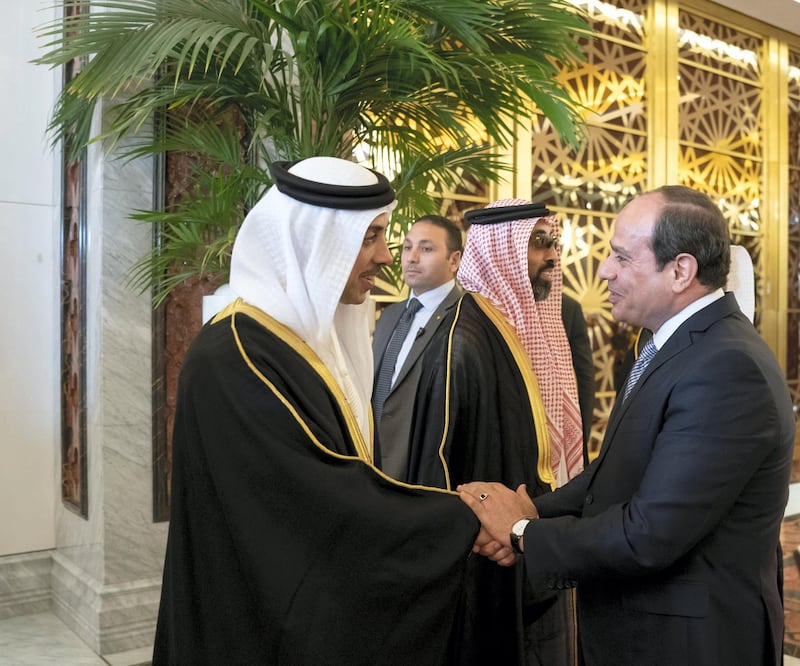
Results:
x,y
519,527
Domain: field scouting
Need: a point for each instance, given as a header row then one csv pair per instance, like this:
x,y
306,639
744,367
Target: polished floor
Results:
x,y
43,640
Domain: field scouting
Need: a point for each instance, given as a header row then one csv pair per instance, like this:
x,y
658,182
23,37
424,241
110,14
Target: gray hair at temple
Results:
x,y
690,222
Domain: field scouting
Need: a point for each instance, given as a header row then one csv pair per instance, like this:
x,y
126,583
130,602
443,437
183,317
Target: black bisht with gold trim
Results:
x,y
285,545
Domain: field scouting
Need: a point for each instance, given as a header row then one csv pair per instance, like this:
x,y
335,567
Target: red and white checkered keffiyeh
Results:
x,y
495,265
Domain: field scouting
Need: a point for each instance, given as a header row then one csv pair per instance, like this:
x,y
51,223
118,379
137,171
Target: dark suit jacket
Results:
x,y
393,431
582,363
671,533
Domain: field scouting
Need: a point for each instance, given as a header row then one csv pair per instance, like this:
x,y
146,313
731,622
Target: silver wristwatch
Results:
x,y
517,532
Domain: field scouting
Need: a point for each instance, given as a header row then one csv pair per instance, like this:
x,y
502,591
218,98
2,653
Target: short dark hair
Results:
x,y
455,237
690,222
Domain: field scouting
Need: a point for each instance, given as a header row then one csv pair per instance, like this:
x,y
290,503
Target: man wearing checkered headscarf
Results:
x,y
495,265
483,411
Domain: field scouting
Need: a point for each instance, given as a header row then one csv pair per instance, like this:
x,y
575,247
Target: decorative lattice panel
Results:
x,y
721,126
793,292
728,50
617,19
588,189
720,114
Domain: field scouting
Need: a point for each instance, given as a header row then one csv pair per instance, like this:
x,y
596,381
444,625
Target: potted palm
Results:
x,y
419,88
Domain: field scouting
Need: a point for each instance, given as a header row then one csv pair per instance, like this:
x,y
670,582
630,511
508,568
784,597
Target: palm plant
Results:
x,y
429,85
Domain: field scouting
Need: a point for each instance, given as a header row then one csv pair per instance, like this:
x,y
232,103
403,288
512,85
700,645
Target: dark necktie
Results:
x,y
383,384
647,353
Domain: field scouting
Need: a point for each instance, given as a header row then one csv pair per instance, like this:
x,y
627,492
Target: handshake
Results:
x,y
498,508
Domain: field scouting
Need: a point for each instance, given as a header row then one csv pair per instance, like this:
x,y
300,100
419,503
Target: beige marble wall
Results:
x,y
100,575
107,570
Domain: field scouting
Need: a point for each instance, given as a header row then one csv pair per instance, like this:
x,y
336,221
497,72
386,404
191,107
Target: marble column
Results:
x,y
106,573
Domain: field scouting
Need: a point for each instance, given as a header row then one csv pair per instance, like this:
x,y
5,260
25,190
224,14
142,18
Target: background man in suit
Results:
x,y
431,254
671,533
582,362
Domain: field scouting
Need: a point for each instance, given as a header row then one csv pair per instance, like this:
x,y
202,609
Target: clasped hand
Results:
x,y
498,508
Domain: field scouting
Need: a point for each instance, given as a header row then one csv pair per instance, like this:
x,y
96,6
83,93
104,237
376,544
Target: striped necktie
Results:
x,y
383,385
645,356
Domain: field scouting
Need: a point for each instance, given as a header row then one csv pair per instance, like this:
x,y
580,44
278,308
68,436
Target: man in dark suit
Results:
x,y
671,534
431,254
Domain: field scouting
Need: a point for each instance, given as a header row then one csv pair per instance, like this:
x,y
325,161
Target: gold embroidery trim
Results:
x,y
525,366
309,355
445,467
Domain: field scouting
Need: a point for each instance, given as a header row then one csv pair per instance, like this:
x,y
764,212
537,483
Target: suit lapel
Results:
x,y
680,340
383,333
675,345
422,340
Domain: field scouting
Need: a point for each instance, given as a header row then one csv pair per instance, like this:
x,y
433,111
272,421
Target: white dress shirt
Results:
x,y
671,325
430,300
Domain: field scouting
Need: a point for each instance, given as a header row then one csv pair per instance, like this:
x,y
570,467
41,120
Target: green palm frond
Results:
x,y
294,78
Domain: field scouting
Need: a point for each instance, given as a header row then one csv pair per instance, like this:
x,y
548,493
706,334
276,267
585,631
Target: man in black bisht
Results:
x,y
497,401
286,545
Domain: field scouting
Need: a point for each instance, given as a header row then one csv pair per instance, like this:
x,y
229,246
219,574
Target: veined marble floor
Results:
x,y
43,640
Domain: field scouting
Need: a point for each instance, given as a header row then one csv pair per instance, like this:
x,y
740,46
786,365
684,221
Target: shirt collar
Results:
x,y
671,325
431,298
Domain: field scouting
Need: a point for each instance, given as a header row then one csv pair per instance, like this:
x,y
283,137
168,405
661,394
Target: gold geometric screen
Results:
x,y
721,125
718,112
587,189
793,292
708,81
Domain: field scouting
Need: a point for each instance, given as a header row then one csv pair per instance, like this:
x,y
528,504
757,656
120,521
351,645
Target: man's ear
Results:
x,y
684,268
